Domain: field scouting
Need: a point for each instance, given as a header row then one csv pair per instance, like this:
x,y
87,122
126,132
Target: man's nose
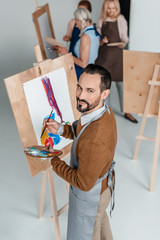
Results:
x,y
82,95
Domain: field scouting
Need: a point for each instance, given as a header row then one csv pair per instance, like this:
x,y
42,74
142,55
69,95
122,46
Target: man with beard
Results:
x,y
90,173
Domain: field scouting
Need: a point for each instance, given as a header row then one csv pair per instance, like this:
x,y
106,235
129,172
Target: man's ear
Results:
x,y
105,94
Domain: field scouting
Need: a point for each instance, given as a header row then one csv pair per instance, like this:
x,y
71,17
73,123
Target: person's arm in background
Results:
x,y
85,43
123,29
84,51
70,27
98,27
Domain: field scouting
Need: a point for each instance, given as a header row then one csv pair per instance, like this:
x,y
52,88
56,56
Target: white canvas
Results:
x,y
39,106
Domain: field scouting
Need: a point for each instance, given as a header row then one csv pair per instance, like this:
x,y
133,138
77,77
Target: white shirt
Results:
x,y
85,118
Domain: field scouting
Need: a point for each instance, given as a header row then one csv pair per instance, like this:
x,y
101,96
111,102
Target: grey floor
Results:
x,y
136,215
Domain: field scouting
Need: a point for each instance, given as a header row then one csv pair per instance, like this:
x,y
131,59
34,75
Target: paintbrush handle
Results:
x,y
43,132
46,124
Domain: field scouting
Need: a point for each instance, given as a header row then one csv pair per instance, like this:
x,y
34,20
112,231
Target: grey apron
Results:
x,y
83,205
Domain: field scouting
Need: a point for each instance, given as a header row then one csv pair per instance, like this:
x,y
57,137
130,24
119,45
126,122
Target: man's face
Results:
x,y
88,94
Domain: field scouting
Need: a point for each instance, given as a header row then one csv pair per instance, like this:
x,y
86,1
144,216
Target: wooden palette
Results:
x,y
41,152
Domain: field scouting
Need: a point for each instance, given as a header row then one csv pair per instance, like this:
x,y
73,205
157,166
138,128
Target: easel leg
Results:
x,y
150,94
38,53
140,134
43,187
156,151
54,204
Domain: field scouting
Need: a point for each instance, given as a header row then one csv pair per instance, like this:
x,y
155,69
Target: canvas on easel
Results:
x,y
30,105
28,125
142,94
44,29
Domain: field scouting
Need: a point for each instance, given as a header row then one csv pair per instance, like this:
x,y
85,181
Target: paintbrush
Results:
x,y
46,123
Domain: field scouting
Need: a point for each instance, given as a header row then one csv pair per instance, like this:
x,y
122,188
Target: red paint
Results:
x,y
49,141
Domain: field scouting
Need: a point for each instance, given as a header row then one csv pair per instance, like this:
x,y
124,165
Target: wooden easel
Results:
x,y
36,4
14,86
37,49
49,173
55,211
38,54
44,28
140,137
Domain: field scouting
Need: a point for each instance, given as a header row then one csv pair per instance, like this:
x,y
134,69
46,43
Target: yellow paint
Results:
x,y
44,137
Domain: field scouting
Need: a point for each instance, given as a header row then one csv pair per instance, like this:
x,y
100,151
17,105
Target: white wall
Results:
x,y
18,36
145,25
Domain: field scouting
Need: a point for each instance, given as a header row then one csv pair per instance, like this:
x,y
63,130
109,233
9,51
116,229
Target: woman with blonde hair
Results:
x,y
105,7
113,27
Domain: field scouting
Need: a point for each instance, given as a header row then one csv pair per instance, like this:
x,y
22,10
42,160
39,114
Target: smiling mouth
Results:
x,y
81,102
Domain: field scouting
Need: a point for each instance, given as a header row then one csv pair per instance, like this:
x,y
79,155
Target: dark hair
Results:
x,y
105,75
86,4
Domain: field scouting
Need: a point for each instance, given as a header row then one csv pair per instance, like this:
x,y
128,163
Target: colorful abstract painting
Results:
x,y
39,106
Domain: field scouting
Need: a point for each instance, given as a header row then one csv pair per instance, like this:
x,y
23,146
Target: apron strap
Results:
x,y
110,174
74,126
112,191
111,185
95,30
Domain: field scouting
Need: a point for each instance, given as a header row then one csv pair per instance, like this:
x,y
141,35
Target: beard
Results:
x,y
89,106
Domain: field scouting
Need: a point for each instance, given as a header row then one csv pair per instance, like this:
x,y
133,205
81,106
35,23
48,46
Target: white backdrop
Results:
x,y
18,36
145,25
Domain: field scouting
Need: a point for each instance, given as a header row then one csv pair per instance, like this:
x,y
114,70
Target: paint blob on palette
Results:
x,y
41,152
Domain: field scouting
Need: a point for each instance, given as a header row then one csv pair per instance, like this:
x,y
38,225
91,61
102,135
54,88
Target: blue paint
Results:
x,y
45,152
56,138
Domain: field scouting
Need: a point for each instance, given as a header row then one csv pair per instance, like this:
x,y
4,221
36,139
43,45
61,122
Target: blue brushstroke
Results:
x,y
56,138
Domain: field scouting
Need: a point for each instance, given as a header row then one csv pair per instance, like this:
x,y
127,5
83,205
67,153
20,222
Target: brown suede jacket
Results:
x,y
94,151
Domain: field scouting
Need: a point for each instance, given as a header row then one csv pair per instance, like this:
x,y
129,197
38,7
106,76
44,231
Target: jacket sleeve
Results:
x,y
93,156
67,132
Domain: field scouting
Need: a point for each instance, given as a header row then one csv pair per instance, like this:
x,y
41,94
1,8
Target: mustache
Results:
x,y
82,100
